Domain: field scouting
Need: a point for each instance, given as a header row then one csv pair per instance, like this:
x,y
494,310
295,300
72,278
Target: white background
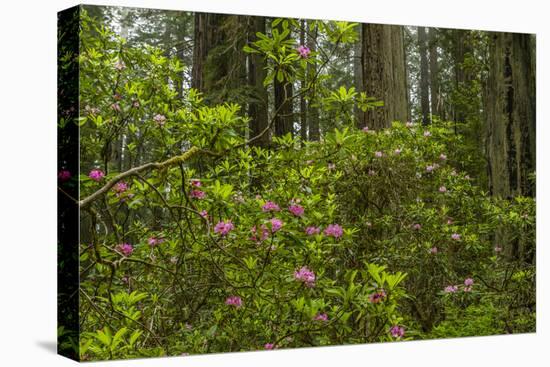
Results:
x,y
28,182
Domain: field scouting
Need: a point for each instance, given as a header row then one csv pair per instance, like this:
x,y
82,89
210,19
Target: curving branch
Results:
x,y
84,203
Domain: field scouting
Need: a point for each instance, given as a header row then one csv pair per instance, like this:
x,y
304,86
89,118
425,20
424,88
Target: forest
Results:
x,y
253,183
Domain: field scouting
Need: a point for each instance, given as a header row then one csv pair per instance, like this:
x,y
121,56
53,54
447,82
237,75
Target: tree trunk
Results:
x,y
424,85
399,106
303,84
358,73
383,74
257,107
510,116
510,121
436,105
313,112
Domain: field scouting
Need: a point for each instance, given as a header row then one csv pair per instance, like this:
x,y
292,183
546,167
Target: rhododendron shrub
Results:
x,y
225,246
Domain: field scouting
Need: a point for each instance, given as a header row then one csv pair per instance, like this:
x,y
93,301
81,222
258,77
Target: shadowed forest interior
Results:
x,y
248,183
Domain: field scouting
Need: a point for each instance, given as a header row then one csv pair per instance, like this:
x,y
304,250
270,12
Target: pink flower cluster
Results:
x,y
120,187
397,331
451,289
455,237
125,249
269,346
197,194
223,227
159,119
378,296
154,241
234,301
196,183
276,224
334,230
306,276
297,210
304,51
262,236
270,206
96,175
311,230
321,317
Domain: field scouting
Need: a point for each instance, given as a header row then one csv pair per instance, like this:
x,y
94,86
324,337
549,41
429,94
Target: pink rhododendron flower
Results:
x,y
159,119
304,51
125,248
377,297
96,175
427,133
154,241
451,289
197,194
455,236
442,189
468,282
64,175
378,154
397,331
204,214
449,221
417,226
196,183
311,230
120,187
306,276
433,250
429,168
321,317
366,129
234,301
334,230
223,227
270,206
276,224
443,157
269,346
297,210
264,233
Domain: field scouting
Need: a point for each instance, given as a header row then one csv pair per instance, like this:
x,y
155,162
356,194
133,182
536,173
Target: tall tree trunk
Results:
x,y
312,111
257,108
461,46
424,85
436,104
510,121
383,71
303,83
399,106
510,116
357,73
283,106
